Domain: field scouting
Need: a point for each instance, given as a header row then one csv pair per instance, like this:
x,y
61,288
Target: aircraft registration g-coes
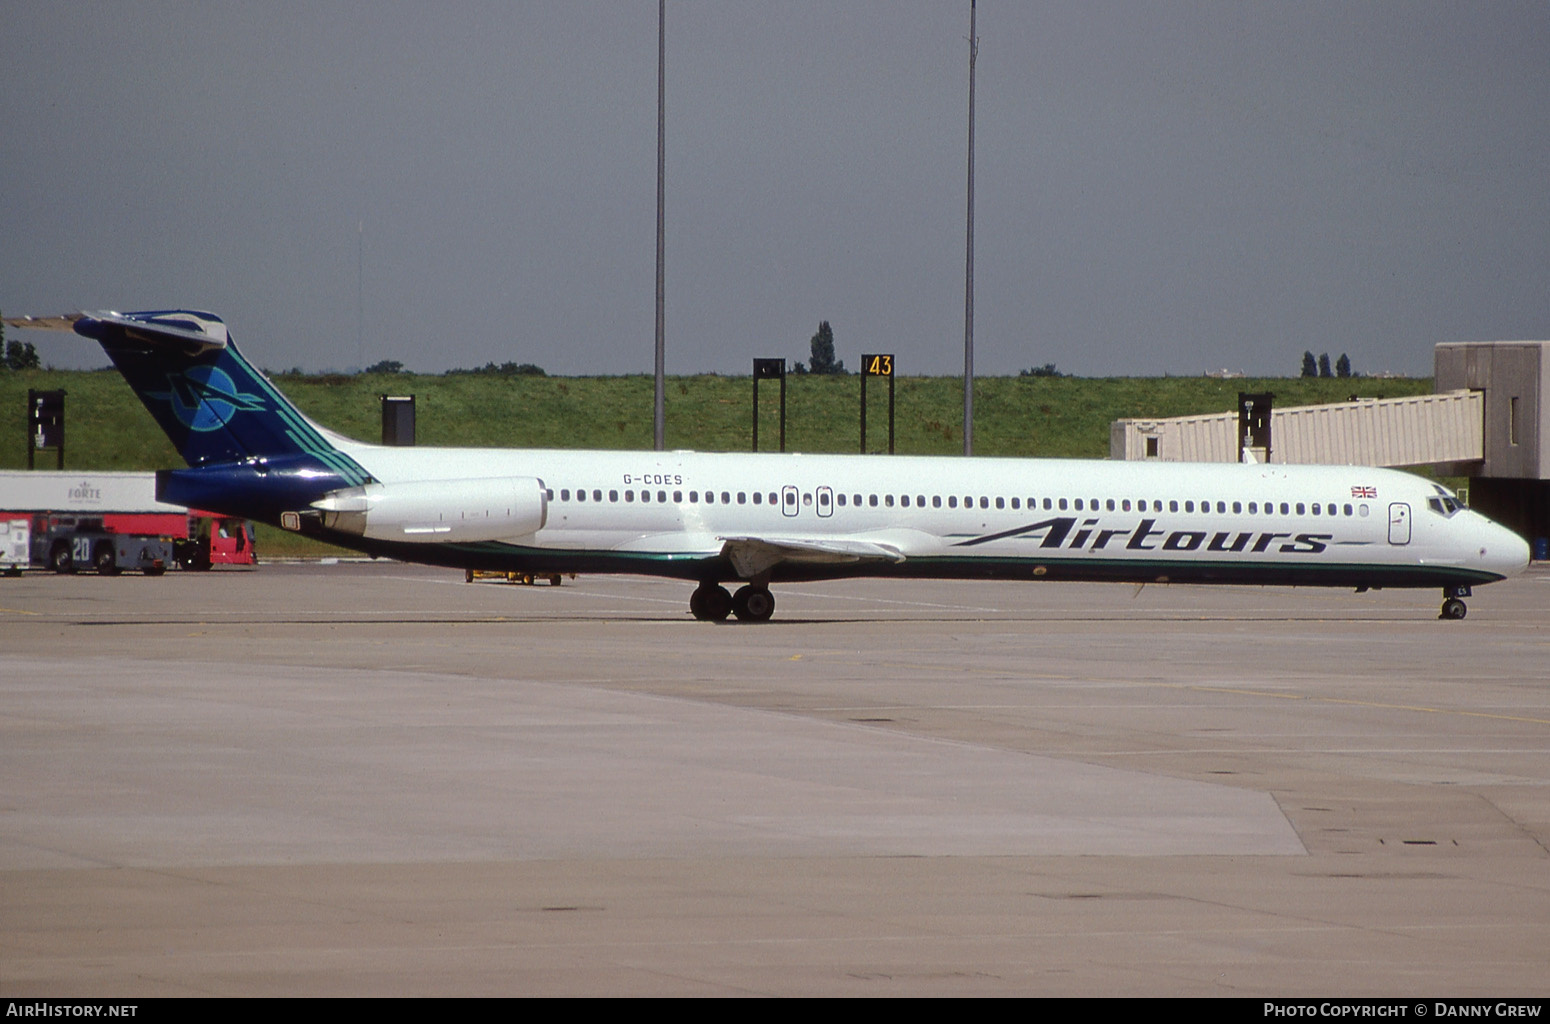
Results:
x,y
766,518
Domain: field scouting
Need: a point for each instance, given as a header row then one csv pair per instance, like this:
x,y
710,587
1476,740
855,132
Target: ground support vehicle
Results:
x,y
15,546
69,543
111,522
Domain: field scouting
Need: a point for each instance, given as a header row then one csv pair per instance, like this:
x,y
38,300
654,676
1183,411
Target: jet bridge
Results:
x,y
1418,430
1489,421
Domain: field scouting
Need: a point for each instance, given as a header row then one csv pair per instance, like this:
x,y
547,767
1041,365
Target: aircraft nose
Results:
x,y
1503,551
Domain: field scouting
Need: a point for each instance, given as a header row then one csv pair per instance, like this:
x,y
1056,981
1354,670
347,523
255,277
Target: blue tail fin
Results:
x,y
213,404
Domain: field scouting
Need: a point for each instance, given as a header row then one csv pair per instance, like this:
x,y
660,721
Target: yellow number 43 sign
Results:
x,y
877,364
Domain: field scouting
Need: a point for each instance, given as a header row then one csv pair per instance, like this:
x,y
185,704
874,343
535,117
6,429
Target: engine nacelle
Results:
x,y
439,510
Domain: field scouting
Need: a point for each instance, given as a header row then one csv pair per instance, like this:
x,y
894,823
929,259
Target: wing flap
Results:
x,y
751,556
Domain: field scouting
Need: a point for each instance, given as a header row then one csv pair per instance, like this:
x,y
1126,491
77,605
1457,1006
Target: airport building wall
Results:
x,y
1414,431
1511,377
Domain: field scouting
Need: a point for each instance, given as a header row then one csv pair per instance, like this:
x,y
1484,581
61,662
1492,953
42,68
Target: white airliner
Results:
x,y
760,519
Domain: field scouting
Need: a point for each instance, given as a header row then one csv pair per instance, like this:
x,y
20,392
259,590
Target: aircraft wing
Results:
x,y
751,556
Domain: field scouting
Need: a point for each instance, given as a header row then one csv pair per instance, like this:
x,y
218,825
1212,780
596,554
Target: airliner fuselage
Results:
x,y
761,519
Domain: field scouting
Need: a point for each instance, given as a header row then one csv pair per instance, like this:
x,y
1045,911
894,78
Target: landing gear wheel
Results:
x,y
753,604
710,603
1453,608
59,559
102,559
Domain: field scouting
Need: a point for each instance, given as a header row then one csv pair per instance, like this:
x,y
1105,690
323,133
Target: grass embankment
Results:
x,y
107,428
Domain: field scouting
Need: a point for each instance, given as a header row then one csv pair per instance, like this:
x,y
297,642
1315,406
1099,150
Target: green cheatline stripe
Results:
x,y
306,436
302,432
346,467
1160,568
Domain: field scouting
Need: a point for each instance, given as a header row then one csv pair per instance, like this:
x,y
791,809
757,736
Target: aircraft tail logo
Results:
x,y
208,399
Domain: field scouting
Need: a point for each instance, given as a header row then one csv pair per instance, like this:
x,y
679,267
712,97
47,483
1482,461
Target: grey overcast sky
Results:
x,y
1162,187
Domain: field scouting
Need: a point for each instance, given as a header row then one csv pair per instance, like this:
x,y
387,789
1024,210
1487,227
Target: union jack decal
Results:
x,y
1364,492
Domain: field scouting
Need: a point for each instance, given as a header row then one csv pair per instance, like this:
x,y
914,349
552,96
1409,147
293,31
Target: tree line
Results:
x,y
1320,367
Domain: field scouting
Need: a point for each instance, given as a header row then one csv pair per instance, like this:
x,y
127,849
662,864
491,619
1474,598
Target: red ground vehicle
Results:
x,y
216,540
110,522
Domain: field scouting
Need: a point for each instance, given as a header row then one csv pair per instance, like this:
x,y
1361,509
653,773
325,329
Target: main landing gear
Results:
x,y
1452,604
711,602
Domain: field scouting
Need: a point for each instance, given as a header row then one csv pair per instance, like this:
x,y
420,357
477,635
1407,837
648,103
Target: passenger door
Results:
x,y
825,502
1399,523
790,500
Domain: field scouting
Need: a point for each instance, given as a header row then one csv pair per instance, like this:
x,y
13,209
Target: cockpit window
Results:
x,y
1444,504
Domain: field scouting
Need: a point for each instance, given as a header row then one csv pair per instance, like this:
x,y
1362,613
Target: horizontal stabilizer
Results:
x,y
63,322
189,332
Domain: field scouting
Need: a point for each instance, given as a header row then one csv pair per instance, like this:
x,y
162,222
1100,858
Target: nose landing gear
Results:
x,y
1452,605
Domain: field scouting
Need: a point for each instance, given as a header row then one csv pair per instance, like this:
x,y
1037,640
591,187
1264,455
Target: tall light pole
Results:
x,y
659,411
968,268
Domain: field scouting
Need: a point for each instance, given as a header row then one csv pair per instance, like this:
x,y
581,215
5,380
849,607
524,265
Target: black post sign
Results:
x,y
398,420
877,364
1254,422
769,369
45,424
